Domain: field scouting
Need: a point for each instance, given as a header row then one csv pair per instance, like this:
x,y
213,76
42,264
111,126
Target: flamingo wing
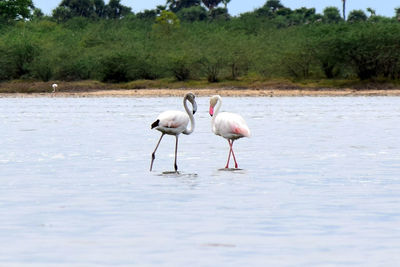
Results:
x,y
171,122
231,126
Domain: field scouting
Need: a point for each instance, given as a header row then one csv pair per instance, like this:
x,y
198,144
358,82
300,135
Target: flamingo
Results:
x,y
54,85
174,122
230,126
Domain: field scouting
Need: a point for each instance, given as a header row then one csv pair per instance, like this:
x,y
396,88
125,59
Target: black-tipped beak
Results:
x,y
194,107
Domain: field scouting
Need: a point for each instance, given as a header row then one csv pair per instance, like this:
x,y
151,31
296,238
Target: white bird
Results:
x,y
230,126
173,122
54,85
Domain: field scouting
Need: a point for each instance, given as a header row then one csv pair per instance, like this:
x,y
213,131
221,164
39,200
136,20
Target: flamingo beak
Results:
x,y
211,111
194,107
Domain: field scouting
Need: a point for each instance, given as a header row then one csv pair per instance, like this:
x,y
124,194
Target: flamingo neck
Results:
x,y
190,113
216,111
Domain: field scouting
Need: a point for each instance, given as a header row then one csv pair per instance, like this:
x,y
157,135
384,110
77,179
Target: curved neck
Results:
x,y
216,110
190,113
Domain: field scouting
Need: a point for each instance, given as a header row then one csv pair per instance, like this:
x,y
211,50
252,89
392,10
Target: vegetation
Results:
x,y
193,40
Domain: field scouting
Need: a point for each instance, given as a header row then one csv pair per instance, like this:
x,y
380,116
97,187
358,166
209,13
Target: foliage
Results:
x,y
198,44
68,9
219,14
371,11
273,5
115,10
15,9
181,67
211,4
331,15
166,22
373,50
357,16
226,2
177,5
147,14
191,14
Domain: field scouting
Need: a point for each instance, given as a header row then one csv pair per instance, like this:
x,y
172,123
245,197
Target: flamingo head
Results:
x,y
213,102
191,98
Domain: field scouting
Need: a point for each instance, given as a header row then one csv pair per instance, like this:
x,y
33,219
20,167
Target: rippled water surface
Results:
x,y
320,184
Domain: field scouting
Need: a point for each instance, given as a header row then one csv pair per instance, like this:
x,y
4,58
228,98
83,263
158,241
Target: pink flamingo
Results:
x,y
230,126
174,122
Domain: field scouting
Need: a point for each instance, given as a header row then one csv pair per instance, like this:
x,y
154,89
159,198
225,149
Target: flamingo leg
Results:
x,y
176,153
153,155
229,156
233,154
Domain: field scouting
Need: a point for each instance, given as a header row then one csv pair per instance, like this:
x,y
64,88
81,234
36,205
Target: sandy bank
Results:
x,y
208,92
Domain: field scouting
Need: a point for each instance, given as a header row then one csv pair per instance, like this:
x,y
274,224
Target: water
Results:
x,y
319,187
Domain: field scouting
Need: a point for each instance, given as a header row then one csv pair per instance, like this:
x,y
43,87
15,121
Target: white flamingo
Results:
x,y
54,85
174,123
230,126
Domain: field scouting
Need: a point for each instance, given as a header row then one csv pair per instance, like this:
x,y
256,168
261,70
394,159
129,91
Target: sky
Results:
x,y
382,7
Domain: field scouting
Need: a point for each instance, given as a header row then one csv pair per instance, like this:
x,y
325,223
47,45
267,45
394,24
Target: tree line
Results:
x,y
187,10
193,39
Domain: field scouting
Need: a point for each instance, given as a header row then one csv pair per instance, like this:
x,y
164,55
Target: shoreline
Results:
x,y
212,91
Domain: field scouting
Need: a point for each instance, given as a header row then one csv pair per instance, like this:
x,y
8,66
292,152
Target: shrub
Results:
x,y
180,67
191,14
212,67
41,68
115,68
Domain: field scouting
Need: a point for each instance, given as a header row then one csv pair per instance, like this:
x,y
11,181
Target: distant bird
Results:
x,y
230,126
174,123
54,85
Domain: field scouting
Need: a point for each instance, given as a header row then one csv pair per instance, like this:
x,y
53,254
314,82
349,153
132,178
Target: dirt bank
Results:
x,y
208,92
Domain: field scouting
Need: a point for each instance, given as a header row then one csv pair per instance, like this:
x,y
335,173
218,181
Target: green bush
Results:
x,y
282,44
41,68
115,68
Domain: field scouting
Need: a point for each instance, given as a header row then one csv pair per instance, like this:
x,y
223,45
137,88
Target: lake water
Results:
x,y
320,184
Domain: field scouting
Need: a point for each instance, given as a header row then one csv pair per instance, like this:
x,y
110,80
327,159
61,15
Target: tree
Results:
x,y
298,16
397,10
78,8
166,22
195,13
61,14
211,4
148,14
344,10
99,8
90,9
37,13
357,16
284,12
371,11
332,15
274,5
226,2
177,5
160,8
269,9
219,14
16,9
115,10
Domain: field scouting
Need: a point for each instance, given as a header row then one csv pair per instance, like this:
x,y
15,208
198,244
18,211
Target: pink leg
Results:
x,y
233,154
229,156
